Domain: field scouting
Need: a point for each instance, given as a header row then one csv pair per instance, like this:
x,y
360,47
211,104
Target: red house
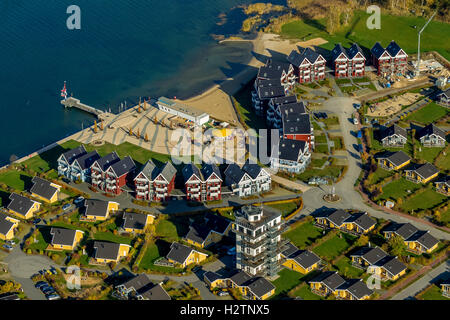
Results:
x,y
348,63
193,182
389,61
99,168
298,127
212,183
164,182
309,65
143,181
202,185
118,175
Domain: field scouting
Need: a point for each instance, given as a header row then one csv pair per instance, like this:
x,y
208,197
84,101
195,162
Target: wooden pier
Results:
x,y
72,102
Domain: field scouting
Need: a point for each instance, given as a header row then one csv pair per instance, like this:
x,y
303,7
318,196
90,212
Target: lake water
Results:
x,y
125,49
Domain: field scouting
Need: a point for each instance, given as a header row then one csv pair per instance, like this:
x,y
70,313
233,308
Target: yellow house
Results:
x,y
326,283
353,289
394,161
421,242
44,190
360,223
443,186
388,268
136,222
302,261
7,227
65,239
445,287
23,207
211,231
98,210
422,174
183,256
106,252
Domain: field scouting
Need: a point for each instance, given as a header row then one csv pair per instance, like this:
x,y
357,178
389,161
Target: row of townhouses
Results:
x,y
429,136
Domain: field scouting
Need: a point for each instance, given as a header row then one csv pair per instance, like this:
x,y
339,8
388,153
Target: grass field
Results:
x,y
345,268
427,154
40,244
15,179
171,230
285,208
68,226
429,113
108,236
425,200
435,37
433,293
398,189
444,162
305,293
379,175
304,235
287,280
152,253
329,171
333,247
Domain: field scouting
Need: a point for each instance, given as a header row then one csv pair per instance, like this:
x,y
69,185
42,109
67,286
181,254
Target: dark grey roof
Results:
x,y
446,92
5,225
393,48
363,220
240,277
168,171
391,264
9,296
338,217
20,204
426,170
329,278
377,50
283,100
179,252
337,51
197,233
124,166
216,223
264,83
234,172
290,109
290,249
211,276
259,286
265,93
272,70
95,207
296,58
145,288
445,180
210,168
71,155
88,159
424,238
432,129
398,158
189,170
353,51
106,250
61,236
133,220
404,230
296,124
278,65
43,188
356,287
394,129
290,149
253,169
149,170
305,258
108,160
371,255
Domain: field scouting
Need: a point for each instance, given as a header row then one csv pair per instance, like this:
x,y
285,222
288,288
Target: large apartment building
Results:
x,y
76,164
155,184
99,168
298,127
308,65
119,175
204,184
389,61
293,156
348,63
258,240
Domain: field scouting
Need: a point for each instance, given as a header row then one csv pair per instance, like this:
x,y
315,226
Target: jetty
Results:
x,y
72,102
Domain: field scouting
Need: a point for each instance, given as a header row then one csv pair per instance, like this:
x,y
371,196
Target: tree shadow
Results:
x,y
26,181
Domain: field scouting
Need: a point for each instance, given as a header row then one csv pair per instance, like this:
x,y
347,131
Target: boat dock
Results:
x,y
72,102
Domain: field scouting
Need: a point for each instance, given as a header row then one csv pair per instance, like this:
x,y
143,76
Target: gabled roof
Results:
x,y
106,250
278,65
283,100
240,277
95,207
265,93
305,258
424,238
20,204
394,129
362,220
426,170
124,166
297,58
5,224
377,50
197,233
259,286
356,287
404,230
71,155
397,158
371,255
149,171
252,169
431,129
190,170
145,288
337,51
329,278
354,50
86,161
290,109
264,83
445,180
43,188
108,160
445,93
133,220
337,217
209,169
290,149
168,171
179,252
216,223
61,236
391,264
211,276
393,48
234,173
296,124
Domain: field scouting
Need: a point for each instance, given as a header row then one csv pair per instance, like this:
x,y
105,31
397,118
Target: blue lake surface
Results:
x,y
125,49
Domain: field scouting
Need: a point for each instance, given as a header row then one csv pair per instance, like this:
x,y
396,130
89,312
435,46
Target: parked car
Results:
x,y
49,290
223,293
40,284
7,247
66,206
53,297
78,200
355,120
36,221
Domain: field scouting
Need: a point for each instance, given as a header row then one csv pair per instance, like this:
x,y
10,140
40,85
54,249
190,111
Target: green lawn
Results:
x,y
285,208
434,293
444,162
170,230
108,236
40,245
435,37
329,171
428,114
69,226
427,154
152,253
333,247
304,235
305,293
321,139
287,280
321,148
345,268
318,162
15,179
379,175
425,200
398,189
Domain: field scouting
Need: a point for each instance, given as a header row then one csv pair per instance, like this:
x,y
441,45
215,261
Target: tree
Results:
x,y
362,241
397,246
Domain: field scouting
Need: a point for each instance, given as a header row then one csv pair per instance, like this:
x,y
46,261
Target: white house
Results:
x,y
293,156
176,108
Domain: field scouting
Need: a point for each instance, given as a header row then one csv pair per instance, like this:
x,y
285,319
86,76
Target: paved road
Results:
x,y
440,272
351,199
